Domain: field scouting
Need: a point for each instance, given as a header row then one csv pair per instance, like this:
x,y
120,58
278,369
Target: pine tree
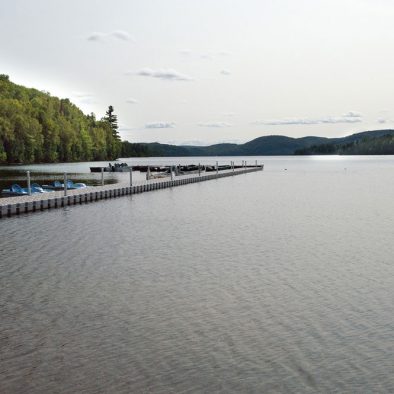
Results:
x,y
112,119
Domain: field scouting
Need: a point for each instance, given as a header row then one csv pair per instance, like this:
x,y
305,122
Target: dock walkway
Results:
x,y
10,206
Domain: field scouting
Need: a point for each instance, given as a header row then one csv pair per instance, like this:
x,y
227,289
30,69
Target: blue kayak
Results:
x,y
56,185
36,188
15,190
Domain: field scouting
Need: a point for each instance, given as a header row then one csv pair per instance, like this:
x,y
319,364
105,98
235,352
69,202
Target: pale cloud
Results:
x,y
82,94
96,36
131,101
122,35
214,124
231,141
192,143
124,127
160,125
352,114
164,74
384,116
225,53
185,52
225,72
211,55
350,117
84,98
117,34
206,56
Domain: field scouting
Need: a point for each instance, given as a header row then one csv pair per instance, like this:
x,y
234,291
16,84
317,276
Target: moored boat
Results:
x,y
57,185
14,190
36,188
117,167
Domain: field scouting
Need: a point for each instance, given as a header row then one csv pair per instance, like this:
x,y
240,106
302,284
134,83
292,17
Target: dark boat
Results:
x,y
97,169
117,167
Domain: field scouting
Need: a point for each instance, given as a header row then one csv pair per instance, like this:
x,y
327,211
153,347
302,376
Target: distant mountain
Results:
x,y
272,145
380,142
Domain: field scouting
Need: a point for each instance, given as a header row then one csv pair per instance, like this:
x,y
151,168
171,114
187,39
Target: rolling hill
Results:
x,y
272,145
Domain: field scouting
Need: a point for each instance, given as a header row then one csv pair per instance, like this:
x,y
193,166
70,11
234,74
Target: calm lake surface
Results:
x,y
276,281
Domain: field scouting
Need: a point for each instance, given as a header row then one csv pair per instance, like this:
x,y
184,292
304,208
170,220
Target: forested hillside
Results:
x,y
382,145
36,127
375,142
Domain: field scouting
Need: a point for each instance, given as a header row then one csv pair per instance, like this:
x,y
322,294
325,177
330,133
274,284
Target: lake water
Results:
x,y
275,281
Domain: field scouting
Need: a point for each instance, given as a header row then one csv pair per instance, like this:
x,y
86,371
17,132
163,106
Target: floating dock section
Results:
x,y
38,202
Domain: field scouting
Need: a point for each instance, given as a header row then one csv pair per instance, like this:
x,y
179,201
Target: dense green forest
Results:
x,y
36,127
383,145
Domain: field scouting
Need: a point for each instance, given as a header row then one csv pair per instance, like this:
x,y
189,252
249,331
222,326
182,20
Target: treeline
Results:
x,y
38,128
154,149
129,149
383,145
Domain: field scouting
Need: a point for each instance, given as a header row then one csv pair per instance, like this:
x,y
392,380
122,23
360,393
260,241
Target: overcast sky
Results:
x,y
206,71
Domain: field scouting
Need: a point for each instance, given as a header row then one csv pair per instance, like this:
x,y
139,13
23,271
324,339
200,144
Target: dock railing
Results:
x,y
36,202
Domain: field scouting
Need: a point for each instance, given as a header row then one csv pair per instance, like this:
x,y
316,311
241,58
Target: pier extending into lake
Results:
x,y
10,206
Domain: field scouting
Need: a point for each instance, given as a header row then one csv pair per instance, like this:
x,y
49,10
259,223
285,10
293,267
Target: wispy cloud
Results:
x,y
117,34
123,127
131,101
350,117
211,55
164,74
205,55
214,124
225,53
225,72
230,141
160,125
96,36
82,94
185,52
192,143
83,97
122,35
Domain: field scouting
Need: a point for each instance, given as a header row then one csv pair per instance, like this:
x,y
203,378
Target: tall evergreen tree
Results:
x,y
112,119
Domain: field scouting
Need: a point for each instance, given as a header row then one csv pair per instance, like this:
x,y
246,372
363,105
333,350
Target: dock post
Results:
x,y
217,168
148,173
256,163
28,182
102,176
199,169
172,173
131,176
245,164
233,166
65,183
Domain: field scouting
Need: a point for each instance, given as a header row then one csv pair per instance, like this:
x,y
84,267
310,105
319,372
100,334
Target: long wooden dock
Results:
x,y
38,202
